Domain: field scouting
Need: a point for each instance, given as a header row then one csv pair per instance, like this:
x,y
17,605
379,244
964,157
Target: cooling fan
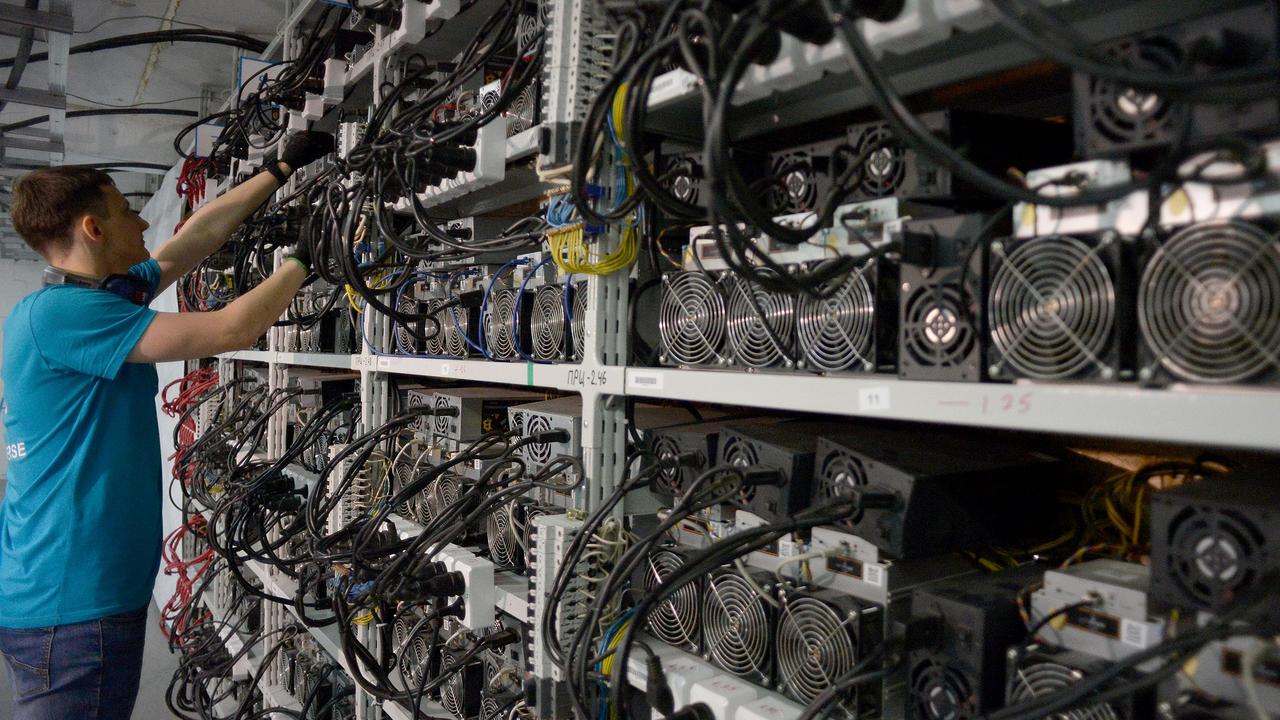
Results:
x,y
460,694
488,96
522,114
1054,309
578,328
527,32
547,323
442,494
1214,540
938,332
539,452
971,623
741,453
677,621
738,625
885,167
670,478
1044,671
1114,118
412,649
839,332
502,534
821,636
839,474
457,325
939,320
503,339
406,340
761,323
402,474
940,692
1209,306
440,423
502,686
1120,119
435,341
683,179
692,319
795,182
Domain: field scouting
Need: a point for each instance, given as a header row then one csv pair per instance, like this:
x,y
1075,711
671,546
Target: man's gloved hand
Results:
x,y
302,253
303,148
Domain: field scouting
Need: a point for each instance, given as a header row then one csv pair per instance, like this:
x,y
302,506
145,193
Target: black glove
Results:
x,y
301,251
303,148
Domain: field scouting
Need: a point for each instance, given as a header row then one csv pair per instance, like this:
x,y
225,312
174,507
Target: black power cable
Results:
x,y
214,37
41,119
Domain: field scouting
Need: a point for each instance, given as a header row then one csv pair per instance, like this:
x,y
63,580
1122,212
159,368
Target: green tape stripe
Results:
x,y
528,366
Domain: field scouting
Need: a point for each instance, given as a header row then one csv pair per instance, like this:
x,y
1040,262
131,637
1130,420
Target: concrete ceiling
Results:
x,y
161,76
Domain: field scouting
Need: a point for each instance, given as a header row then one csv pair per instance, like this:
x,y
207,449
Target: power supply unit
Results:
x,y
1116,622
962,630
1062,308
1216,675
687,451
786,450
853,565
941,323
800,177
683,176
1206,305
949,497
476,411
417,395
1113,119
889,167
563,414
1214,542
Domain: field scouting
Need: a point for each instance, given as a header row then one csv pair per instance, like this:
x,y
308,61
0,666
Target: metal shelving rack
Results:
x,y
1228,417
1179,414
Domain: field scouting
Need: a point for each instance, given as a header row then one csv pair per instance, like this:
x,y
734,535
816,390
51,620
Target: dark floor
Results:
x,y
157,667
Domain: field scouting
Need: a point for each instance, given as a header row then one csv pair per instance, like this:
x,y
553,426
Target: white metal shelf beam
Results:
x,y
1183,414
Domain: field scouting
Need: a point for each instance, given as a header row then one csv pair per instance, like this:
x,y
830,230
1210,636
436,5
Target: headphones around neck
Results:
x,y
135,289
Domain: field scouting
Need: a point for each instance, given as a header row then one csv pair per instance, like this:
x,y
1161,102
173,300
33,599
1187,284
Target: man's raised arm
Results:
x,y
210,227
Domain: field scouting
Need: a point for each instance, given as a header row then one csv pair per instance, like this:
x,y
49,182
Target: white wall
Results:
x,y
18,278
163,211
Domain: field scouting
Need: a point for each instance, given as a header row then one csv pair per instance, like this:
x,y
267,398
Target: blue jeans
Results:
x,y
85,670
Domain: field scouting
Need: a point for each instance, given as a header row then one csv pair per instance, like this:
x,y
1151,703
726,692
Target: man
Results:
x,y
80,526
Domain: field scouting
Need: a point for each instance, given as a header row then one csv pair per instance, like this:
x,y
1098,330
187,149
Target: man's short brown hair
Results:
x,y
46,202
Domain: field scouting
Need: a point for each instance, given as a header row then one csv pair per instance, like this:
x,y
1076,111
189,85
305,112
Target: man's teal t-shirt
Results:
x,y
80,526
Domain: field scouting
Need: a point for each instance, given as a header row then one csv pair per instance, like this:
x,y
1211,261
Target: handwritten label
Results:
x,y
875,399
364,362
1007,403
586,378
644,380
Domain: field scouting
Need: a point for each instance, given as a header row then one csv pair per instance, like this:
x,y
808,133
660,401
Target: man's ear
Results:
x,y
91,227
